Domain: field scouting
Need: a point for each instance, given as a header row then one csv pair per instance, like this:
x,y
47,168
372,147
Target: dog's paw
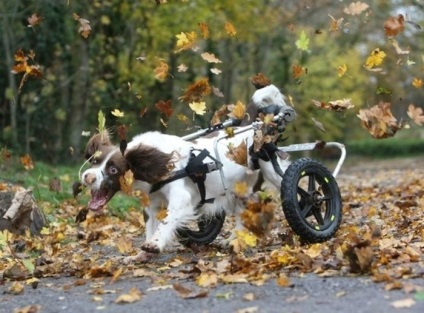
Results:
x,y
142,256
150,247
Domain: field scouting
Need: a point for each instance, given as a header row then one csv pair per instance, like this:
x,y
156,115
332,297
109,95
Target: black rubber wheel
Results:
x,y
208,228
311,200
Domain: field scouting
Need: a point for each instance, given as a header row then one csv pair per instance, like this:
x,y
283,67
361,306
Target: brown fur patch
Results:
x,y
96,143
149,164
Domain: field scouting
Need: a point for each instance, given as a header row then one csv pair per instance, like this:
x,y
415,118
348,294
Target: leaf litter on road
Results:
x,y
381,236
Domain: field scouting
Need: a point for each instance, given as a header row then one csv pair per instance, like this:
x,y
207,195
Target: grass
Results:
x,y
39,178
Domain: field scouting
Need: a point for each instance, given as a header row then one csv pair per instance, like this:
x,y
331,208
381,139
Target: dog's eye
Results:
x,y
95,161
113,170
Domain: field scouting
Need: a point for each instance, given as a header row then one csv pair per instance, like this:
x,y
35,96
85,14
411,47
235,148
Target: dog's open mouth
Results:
x,y
99,198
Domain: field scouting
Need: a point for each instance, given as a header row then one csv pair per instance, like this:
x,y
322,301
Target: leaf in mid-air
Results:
x,y
230,29
117,113
198,107
375,58
101,120
303,42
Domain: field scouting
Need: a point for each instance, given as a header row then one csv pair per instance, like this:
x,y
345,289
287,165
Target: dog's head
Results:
x,y
108,164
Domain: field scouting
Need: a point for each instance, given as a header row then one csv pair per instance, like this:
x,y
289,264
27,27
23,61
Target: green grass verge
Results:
x,y
40,177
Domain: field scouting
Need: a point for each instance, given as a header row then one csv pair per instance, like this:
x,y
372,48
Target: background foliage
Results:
x,y
114,67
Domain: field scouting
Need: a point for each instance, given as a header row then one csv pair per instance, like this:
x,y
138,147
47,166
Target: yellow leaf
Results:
x,y
314,250
341,70
240,188
248,238
117,113
133,296
207,279
417,83
237,111
230,29
375,58
182,40
162,214
198,107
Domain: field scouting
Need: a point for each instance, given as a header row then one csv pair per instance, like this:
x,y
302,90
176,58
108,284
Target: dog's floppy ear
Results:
x,y
149,163
96,142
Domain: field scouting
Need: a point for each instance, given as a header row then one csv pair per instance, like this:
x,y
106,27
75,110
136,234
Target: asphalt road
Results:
x,y
309,293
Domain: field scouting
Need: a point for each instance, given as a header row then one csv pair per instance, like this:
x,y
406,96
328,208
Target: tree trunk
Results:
x,y
8,42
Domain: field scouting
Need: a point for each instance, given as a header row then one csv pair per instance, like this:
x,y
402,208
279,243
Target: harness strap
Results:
x,y
196,170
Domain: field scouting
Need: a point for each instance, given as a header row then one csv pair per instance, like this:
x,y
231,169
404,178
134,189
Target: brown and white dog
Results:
x,y
153,157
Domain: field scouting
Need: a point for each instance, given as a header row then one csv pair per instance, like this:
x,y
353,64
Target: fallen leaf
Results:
x,y
132,296
404,303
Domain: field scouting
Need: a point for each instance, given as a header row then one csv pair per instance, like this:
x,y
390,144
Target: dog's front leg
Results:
x,y
180,212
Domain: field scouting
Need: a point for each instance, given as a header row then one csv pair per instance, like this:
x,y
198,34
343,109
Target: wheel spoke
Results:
x,y
306,209
311,183
302,192
317,214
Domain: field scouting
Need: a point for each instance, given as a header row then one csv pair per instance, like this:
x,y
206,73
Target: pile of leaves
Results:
x,y
381,236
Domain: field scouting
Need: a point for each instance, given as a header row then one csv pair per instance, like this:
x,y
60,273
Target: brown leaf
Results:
x,y
54,184
34,20
237,111
132,296
259,215
394,25
161,71
260,80
33,308
360,256
165,107
27,162
379,121
238,154
187,293
196,91
85,28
